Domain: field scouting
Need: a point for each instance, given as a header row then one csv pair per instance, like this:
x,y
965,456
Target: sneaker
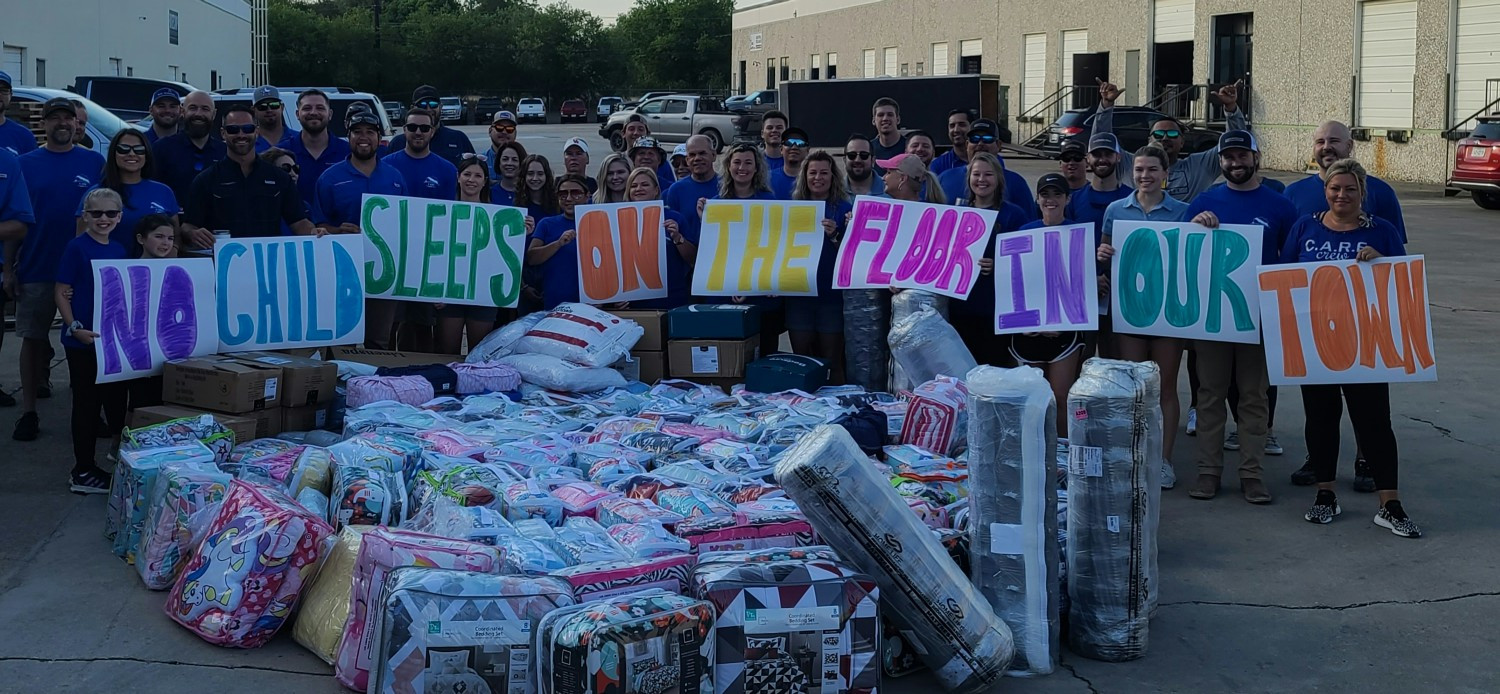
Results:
x,y
1232,441
1324,508
1192,427
1393,518
1168,475
7,400
28,427
1364,482
1305,476
91,481
1273,447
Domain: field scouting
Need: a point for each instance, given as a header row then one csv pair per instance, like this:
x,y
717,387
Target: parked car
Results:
x,y
674,119
485,109
450,109
531,109
1476,163
339,100
575,110
393,110
1132,126
763,100
607,105
126,97
26,109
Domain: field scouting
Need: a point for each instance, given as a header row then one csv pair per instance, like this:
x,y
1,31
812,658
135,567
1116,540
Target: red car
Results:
x,y
1476,166
575,110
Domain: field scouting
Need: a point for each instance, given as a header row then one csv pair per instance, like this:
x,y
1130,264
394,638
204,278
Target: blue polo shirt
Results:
x,y
1273,184
56,181
1128,209
838,213
1380,200
311,168
955,183
877,184
341,190
1310,241
665,176
16,138
781,184
262,144
15,200
560,272
679,272
145,198
76,269
153,138
683,196
1088,205
1262,206
429,177
981,302
448,143
947,161
179,161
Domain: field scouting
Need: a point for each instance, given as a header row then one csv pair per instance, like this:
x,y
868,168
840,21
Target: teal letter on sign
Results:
x,y
1230,252
1182,311
1140,259
243,325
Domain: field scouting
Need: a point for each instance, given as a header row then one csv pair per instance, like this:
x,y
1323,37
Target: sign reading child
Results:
x,y
759,248
1184,280
442,252
289,291
622,252
149,312
913,245
1045,282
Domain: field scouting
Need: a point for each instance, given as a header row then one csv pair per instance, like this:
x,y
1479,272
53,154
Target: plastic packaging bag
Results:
x,y
649,539
203,428
937,417
325,604
926,346
501,342
553,373
130,494
485,377
867,319
581,334
184,501
586,541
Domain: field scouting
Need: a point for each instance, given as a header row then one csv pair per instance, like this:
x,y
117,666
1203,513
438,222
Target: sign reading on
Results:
x,y
1345,321
1184,280
622,252
759,247
443,252
283,292
913,245
1045,281
148,312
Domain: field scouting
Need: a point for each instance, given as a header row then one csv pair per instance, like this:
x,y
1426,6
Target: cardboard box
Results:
x,y
304,381
655,325
713,322
389,357
696,359
779,372
243,426
267,422
653,366
305,418
221,383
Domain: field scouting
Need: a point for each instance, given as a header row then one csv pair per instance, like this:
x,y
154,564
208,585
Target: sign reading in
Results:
x,y
622,252
443,252
759,247
1184,280
913,245
1045,281
283,292
148,312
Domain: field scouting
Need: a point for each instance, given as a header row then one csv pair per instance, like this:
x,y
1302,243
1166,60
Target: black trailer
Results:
x,y
830,110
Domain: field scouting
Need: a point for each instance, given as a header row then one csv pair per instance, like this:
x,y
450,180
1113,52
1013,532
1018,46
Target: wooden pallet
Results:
x,y
29,114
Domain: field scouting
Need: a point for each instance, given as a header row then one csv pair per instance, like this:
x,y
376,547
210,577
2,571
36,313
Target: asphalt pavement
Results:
x,y
1253,598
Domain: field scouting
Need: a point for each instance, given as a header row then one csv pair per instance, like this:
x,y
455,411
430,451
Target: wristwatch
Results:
x,y
75,325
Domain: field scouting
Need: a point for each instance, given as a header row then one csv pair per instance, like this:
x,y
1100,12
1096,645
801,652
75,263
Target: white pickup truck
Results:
x,y
533,109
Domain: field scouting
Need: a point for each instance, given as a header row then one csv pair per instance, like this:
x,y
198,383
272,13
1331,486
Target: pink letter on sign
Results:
x,y
861,233
920,248
942,248
971,228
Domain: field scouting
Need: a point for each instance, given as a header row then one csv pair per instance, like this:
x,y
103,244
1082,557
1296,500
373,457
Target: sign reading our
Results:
x,y
1045,281
1184,280
758,248
284,292
1346,321
913,245
622,252
148,312
442,252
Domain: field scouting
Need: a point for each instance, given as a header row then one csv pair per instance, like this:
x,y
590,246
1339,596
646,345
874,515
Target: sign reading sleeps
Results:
x,y
284,292
441,251
148,312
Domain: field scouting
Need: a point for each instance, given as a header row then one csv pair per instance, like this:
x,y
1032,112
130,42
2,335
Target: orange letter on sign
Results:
x,y
1411,297
1282,282
1333,324
1375,321
640,243
600,278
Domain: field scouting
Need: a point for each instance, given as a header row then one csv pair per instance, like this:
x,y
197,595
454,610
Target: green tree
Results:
x,y
676,43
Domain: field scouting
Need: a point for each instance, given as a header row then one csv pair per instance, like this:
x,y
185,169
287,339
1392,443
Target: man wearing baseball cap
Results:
x,y
637,128
1187,175
576,161
270,122
793,153
679,162
166,114
984,136
1071,163
1225,365
503,129
13,136
647,153
447,143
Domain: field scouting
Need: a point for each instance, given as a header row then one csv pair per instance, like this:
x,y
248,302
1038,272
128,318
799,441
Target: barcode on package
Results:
x,y
1086,461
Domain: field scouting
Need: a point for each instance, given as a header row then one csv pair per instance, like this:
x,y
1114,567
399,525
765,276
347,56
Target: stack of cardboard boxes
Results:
x,y
271,391
712,343
649,353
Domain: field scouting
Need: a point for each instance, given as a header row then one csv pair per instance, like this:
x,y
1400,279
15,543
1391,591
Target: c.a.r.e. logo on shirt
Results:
x,y
156,208
1328,250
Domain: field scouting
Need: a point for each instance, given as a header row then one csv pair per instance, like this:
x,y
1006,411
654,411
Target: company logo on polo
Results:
x,y
82,181
156,208
430,182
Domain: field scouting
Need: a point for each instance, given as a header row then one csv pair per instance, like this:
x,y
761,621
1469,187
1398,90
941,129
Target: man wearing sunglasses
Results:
x,y
1186,176
793,152
241,194
1071,163
959,120
859,168
57,176
984,137
502,132
315,149
427,174
270,121
448,143
181,157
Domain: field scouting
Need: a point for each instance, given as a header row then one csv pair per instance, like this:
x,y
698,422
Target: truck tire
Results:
x,y
715,140
1489,201
617,139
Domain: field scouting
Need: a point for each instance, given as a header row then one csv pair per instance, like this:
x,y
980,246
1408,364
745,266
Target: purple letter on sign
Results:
x,y
1067,288
124,328
1019,317
177,317
970,229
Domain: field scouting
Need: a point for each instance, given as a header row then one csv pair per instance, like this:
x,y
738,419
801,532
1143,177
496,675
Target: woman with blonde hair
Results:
x,y
974,318
612,175
643,186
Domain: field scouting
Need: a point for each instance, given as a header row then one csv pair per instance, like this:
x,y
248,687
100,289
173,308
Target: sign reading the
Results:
x,y
913,245
758,248
1184,280
1045,281
283,292
622,252
148,312
442,252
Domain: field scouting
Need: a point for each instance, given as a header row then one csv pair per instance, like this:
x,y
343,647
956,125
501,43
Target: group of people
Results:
x,y
172,187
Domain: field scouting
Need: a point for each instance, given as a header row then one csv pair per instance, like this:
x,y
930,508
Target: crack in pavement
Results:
x,y
147,661
1080,678
1463,310
1334,608
1447,433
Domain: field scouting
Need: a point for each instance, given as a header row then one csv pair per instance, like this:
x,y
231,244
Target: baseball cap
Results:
x,y
984,125
909,164
165,93
5,77
360,114
264,93
425,91
679,151
1104,141
646,142
58,104
1073,145
576,142
1052,180
501,116
1238,139
794,134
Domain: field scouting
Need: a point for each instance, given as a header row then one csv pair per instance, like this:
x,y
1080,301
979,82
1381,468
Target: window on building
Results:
x,y
786,69
890,61
130,71
176,74
816,61
940,58
213,80
14,63
833,66
116,67
904,68
870,63
172,24
971,54
920,66
41,72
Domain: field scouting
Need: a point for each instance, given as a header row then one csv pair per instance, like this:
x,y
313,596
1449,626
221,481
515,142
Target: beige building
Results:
x,y
1402,72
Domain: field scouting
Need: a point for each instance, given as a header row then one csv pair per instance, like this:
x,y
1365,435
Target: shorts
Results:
x,y
35,310
417,313
808,314
1040,349
468,313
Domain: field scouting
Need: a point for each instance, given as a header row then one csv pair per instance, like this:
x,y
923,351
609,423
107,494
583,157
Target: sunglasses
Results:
x,y
1164,134
470,155
123,148
268,106
571,193
795,142
982,139
102,213
246,129
428,103
1071,158
418,128
290,168
857,156
508,129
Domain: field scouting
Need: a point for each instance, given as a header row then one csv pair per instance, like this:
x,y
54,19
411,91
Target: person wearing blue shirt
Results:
x,y
1346,232
506,179
1273,184
552,246
427,174
181,157
647,152
815,324
166,114
128,163
15,215
1072,163
448,143
772,125
783,179
859,169
1058,354
73,296
14,137
1230,367
984,137
270,118
1088,205
643,186
959,122
974,317
701,184
1187,175
503,129
1150,203
1332,142
314,148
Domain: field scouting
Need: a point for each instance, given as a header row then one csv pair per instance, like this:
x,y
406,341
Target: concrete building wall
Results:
x,y
1304,62
81,37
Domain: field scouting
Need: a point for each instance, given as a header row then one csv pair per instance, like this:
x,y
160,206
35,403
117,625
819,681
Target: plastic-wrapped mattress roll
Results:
x,y
854,509
867,318
1013,508
1114,458
925,346
903,305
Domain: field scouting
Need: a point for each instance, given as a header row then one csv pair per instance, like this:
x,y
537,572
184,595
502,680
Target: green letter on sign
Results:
x,y
378,284
1140,260
1230,252
1182,313
509,223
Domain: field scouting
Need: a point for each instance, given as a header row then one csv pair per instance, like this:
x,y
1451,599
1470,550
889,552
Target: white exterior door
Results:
x,y
1073,43
870,63
1172,21
1476,56
1033,71
13,63
939,58
1387,63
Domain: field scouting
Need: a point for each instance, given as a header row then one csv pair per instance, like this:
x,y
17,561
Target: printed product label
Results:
x,y
705,360
766,620
1113,522
462,653
274,361
270,389
1007,539
1087,461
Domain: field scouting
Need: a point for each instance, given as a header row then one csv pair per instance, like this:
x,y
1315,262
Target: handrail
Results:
x,y
1450,133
